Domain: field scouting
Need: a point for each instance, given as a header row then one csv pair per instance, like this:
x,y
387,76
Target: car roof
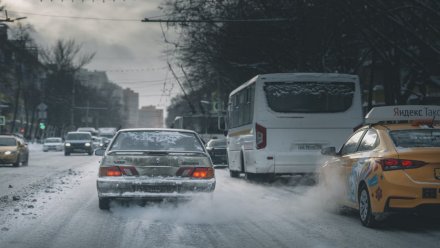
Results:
x,y
79,132
157,129
7,136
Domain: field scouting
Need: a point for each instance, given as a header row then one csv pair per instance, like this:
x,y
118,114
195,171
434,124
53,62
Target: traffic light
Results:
x,y
42,125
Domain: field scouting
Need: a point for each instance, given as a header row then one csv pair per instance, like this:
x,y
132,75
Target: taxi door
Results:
x,y
352,162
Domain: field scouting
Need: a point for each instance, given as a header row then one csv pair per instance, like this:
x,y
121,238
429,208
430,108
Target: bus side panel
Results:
x,y
238,140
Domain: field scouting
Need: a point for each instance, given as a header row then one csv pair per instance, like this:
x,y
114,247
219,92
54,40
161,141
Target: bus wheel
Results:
x,y
252,176
234,173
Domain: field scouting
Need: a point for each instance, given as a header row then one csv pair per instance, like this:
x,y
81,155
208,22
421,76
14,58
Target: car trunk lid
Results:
x,y
430,172
157,164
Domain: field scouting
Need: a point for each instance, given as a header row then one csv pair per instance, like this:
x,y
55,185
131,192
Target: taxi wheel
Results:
x,y
365,213
104,203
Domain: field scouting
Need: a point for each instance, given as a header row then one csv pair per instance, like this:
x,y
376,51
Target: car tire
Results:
x,y
365,213
104,203
25,163
90,153
17,163
66,153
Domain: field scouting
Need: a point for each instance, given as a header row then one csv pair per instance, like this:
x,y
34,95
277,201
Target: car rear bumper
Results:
x,y
400,193
147,187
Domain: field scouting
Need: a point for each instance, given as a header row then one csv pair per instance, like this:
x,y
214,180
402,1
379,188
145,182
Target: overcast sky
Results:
x,y
130,51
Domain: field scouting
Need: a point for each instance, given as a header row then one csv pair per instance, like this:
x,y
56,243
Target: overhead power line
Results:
x,y
217,20
78,17
151,19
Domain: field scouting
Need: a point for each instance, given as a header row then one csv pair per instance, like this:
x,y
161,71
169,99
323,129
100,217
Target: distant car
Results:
x,y
154,164
53,144
95,142
13,150
78,142
92,130
386,165
104,142
217,150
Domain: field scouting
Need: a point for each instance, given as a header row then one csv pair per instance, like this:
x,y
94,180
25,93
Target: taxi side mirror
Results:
x,y
329,151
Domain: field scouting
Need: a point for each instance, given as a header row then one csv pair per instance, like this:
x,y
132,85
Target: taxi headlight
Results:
x,y
67,144
8,152
87,144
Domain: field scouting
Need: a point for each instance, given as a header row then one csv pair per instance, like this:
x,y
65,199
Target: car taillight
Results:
x,y
399,164
260,135
117,171
196,172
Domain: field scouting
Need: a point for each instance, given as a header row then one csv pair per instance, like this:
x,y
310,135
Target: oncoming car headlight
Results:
x,y
87,144
9,152
67,144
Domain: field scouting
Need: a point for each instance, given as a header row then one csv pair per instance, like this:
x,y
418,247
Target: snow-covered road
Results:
x,y
53,203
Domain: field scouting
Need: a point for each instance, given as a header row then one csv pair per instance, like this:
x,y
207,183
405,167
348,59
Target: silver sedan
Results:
x,y
154,163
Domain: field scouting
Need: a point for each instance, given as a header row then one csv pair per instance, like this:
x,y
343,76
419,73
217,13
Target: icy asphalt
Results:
x,y
53,203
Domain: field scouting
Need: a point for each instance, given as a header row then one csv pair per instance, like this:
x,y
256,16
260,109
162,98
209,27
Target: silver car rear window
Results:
x,y
157,141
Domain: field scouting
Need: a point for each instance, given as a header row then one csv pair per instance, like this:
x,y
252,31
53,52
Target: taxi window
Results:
x,y
351,145
369,141
416,138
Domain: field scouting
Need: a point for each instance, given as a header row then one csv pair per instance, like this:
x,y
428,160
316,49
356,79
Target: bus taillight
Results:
x,y
261,136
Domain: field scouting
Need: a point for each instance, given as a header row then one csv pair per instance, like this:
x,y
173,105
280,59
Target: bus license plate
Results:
x,y
309,147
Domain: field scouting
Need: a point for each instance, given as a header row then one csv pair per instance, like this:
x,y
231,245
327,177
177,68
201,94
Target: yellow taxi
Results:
x,y
13,150
392,163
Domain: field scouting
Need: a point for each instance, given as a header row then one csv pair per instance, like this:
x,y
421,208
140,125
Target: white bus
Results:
x,y
278,123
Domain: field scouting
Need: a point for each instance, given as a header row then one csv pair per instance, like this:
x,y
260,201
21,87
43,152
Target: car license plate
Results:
x,y
437,173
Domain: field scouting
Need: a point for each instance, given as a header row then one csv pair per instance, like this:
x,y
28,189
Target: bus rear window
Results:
x,y
309,97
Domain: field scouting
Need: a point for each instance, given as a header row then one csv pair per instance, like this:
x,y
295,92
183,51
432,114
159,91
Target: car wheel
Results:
x,y
66,153
365,214
25,163
90,153
17,163
104,203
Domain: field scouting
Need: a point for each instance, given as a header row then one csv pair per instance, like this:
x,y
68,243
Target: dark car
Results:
x,y
154,164
78,142
217,150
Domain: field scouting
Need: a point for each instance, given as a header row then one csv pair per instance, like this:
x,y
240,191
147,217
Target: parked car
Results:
x,y
78,142
217,150
387,166
13,150
154,164
53,144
